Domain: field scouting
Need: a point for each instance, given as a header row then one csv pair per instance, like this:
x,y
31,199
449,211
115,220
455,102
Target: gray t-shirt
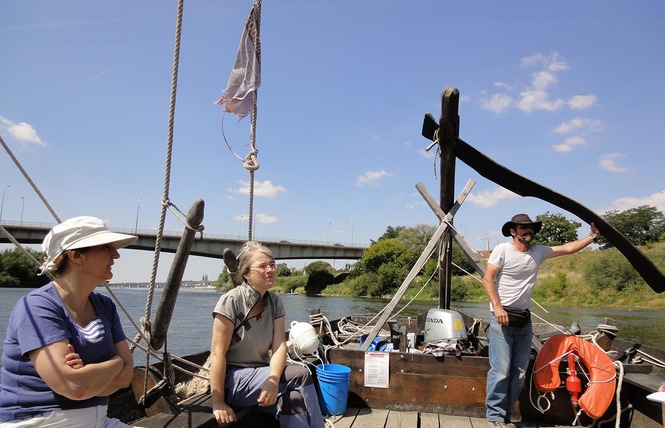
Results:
x,y
517,273
252,338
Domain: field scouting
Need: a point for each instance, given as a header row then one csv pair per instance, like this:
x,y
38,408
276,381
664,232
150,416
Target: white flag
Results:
x,y
245,78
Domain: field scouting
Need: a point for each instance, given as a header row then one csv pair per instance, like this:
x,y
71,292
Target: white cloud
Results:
x,y
371,177
655,200
569,143
579,123
582,102
538,100
261,188
497,103
536,96
266,219
22,131
490,198
552,63
608,162
503,86
542,80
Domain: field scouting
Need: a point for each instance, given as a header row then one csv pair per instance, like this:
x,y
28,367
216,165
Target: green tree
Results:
x,y
461,263
385,251
382,268
283,270
557,230
391,232
416,237
17,270
318,266
319,276
642,225
224,281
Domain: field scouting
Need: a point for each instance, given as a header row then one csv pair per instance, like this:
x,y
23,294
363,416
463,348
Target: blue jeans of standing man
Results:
x,y
510,351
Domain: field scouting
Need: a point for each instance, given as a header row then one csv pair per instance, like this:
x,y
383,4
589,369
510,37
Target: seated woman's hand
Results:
x,y
269,392
73,359
224,414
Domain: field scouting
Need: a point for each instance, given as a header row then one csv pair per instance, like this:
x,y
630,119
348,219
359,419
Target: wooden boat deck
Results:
x,y
372,418
198,414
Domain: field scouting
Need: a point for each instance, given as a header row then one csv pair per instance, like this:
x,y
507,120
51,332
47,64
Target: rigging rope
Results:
x,y
27,177
251,163
167,179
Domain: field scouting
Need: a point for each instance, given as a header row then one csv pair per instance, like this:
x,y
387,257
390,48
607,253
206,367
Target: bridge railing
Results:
x,y
134,231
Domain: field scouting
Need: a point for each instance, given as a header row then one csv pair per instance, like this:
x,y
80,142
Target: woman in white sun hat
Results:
x,y
65,351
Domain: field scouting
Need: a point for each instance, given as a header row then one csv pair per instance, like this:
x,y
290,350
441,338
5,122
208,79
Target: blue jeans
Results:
x,y
298,403
510,351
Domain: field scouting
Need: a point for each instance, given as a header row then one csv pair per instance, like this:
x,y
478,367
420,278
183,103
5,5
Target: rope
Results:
x,y
167,179
619,366
32,183
251,163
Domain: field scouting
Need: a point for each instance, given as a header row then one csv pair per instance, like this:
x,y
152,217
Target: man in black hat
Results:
x,y
509,281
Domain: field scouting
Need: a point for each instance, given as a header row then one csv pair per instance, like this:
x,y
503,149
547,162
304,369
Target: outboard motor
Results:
x,y
444,325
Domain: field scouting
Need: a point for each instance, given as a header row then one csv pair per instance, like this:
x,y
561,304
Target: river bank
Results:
x,y
191,326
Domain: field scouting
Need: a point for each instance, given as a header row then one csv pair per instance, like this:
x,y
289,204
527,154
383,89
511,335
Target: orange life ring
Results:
x,y
600,391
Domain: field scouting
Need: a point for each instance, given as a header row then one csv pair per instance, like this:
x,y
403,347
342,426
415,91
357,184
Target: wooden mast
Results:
x,y
448,135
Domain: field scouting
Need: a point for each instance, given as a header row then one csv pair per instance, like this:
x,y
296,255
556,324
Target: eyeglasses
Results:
x,y
264,267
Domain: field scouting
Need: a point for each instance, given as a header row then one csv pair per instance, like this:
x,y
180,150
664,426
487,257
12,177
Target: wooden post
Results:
x,y
448,135
160,325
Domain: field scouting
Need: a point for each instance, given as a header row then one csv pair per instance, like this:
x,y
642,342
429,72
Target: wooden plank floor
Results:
x,y
376,418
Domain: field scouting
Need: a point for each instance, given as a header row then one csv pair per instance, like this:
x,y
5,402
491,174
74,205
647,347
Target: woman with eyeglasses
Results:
x,y
248,351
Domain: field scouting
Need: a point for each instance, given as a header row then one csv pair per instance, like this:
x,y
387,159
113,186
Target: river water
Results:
x,y
191,326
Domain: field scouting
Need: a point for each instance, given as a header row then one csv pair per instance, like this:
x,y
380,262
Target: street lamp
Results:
x,y
22,209
488,242
240,224
2,204
351,218
328,234
138,207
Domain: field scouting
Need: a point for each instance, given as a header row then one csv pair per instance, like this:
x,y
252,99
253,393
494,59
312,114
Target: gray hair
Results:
x,y
246,258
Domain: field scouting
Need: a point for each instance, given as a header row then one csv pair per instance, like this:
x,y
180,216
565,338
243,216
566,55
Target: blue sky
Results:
x,y
567,93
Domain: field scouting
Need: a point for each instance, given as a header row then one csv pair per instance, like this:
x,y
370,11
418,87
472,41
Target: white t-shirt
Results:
x,y
517,273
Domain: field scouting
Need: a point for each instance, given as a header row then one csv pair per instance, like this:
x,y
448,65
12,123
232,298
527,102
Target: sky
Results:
x,y
567,93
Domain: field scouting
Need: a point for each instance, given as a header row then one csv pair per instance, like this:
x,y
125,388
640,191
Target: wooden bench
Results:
x,y
197,413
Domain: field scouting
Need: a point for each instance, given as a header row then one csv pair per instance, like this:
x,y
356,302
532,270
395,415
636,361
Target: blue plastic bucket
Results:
x,y
333,386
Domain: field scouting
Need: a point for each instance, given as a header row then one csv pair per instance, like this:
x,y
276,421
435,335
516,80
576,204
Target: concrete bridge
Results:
x,y
207,245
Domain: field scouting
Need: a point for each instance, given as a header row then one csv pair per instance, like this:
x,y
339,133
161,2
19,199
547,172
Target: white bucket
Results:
x,y
304,336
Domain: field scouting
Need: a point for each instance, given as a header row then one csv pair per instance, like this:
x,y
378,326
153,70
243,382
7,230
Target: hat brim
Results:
x,y
119,240
537,225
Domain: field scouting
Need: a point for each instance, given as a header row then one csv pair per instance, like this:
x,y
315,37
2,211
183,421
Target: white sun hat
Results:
x,y
80,232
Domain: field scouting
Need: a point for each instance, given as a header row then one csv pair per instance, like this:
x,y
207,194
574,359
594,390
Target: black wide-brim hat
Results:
x,y
522,220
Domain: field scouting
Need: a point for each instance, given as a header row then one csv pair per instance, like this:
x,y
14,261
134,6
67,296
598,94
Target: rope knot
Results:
x,y
147,329
251,162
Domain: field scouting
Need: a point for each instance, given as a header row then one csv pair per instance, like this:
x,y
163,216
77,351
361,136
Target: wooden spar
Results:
x,y
467,248
424,256
160,325
448,134
508,179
